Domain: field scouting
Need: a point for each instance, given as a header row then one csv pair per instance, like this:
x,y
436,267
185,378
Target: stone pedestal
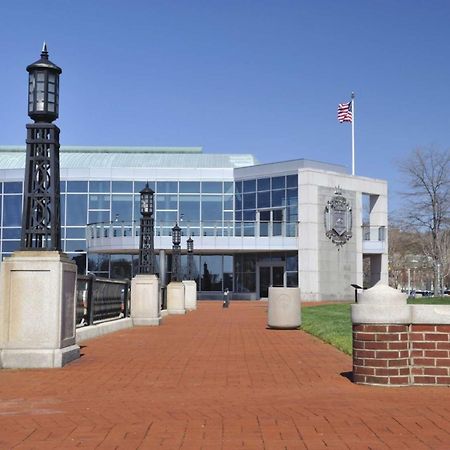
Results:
x,y
175,298
37,310
145,304
190,295
284,310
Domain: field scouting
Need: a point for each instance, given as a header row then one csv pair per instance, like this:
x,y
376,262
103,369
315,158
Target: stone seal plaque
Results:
x,y
338,219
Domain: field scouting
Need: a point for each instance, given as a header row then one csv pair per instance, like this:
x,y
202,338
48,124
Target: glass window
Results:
x,y
10,246
76,233
211,273
122,186
291,263
99,201
62,186
63,209
211,187
249,201
14,187
228,187
292,197
122,207
11,233
264,199
121,266
76,210
250,215
278,198
139,185
190,209
238,186
291,279
228,202
98,216
227,263
77,186
80,261
292,181
167,217
264,184
99,186
249,185
166,202
278,183
190,187
75,245
238,201
98,263
166,187
211,207
12,210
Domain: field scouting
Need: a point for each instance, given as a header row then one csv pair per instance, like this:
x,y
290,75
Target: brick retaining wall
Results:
x,y
399,355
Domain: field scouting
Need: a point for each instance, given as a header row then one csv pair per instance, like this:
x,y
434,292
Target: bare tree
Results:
x,y
427,173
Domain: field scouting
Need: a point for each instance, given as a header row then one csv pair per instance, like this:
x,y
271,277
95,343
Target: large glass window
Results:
x,y
11,233
228,187
278,182
99,201
167,187
228,202
292,181
76,210
190,187
14,187
12,210
278,198
211,207
166,202
249,185
75,245
122,186
139,185
190,209
211,187
99,186
263,184
264,199
122,207
75,233
249,201
98,216
120,266
77,186
211,273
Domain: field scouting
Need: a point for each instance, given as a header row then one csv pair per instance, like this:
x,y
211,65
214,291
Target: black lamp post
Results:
x,y
41,222
146,243
190,254
176,253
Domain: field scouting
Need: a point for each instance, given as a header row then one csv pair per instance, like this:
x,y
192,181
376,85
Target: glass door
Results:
x,y
270,276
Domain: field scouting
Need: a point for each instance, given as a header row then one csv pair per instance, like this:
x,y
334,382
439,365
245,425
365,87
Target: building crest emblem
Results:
x,y
338,219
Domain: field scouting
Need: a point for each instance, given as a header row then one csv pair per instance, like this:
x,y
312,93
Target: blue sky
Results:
x,y
260,76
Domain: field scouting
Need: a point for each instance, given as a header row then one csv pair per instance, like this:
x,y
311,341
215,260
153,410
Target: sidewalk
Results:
x,y
214,379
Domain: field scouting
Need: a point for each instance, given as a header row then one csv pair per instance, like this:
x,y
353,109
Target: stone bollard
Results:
x,y
190,295
175,298
284,310
145,304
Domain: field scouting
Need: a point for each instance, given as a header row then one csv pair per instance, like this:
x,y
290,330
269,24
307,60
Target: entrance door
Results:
x,y
270,276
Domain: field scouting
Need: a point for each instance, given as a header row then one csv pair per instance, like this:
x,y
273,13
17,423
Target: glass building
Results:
x,y
253,225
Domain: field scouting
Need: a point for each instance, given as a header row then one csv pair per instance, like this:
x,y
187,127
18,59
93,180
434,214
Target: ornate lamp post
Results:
x,y
190,257
146,243
176,241
41,224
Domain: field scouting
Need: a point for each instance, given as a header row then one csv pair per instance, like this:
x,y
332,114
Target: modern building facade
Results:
x,y
253,225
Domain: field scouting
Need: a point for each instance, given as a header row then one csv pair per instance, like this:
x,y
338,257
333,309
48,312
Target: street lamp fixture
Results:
x,y
190,251
41,222
146,241
176,253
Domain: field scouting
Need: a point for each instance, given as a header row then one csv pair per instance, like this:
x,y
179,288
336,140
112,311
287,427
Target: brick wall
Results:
x,y
398,355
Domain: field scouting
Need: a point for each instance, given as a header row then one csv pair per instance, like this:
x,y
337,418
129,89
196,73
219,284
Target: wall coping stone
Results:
x,y
382,294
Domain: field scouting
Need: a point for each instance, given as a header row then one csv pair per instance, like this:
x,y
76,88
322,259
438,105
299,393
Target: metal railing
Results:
x,y
205,228
101,299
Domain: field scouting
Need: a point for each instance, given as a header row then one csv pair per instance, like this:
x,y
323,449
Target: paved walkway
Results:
x,y
214,379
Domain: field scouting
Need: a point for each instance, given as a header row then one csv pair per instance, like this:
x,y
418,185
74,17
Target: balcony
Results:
x,y
208,235
374,239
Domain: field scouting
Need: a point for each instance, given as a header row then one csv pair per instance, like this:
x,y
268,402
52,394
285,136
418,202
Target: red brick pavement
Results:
x,y
214,379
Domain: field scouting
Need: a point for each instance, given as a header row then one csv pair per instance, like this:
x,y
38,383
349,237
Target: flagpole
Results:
x,y
353,133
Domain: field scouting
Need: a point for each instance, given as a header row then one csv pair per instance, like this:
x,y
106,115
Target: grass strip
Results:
x,y
332,323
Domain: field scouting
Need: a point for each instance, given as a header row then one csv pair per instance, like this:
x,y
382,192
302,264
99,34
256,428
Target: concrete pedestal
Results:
x,y
145,304
175,298
190,295
284,311
37,310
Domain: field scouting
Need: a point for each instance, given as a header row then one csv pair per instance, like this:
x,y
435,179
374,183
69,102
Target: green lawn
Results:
x,y
332,323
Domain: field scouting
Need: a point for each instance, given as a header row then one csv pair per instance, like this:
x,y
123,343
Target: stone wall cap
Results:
x,y
431,314
382,294
381,313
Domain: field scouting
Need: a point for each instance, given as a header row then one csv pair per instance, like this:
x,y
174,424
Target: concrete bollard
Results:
x,y
284,311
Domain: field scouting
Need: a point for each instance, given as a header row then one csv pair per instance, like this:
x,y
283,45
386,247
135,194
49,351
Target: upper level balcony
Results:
x,y
209,236
374,239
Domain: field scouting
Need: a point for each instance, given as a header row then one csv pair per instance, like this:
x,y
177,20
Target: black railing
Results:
x,y
101,299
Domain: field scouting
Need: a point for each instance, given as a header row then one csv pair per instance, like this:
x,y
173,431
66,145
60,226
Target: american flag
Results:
x,y
344,113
